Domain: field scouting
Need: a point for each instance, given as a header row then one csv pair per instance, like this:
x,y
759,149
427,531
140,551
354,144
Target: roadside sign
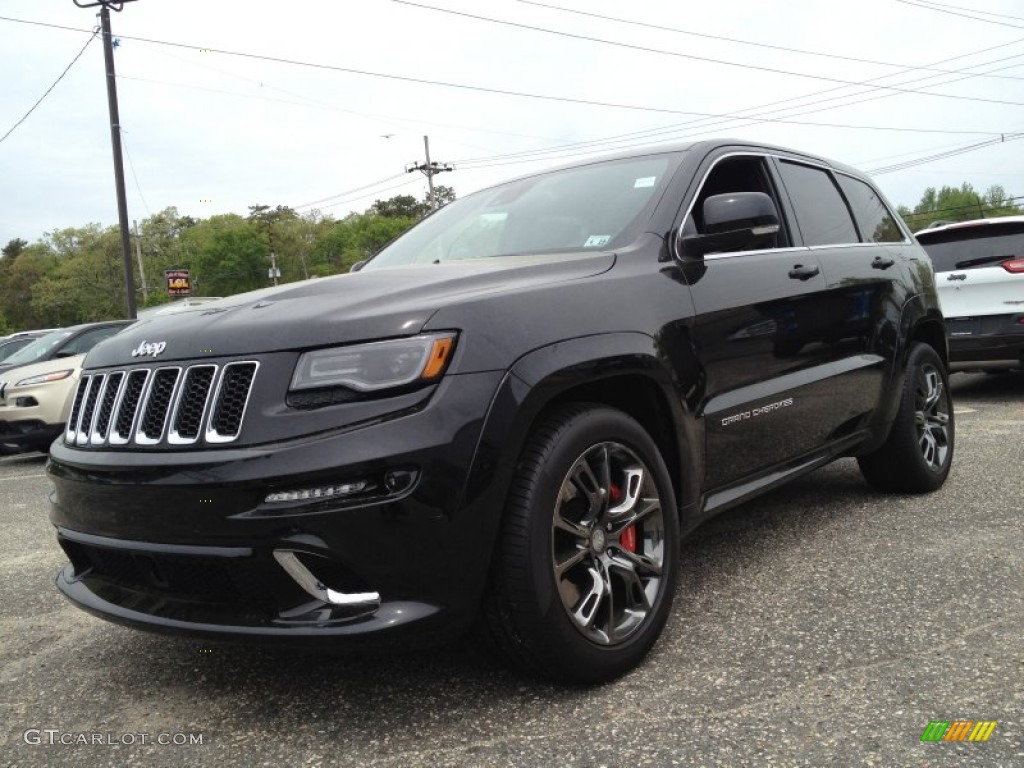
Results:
x,y
179,283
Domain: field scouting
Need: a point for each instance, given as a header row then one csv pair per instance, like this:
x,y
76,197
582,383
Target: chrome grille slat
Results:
x,y
107,398
171,405
189,409
134,387
153,413
89,409
230,401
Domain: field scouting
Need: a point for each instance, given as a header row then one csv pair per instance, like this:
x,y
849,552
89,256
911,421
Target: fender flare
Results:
x,y
548,373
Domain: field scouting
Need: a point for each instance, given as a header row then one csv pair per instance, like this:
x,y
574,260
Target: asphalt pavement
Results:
x,y
821,625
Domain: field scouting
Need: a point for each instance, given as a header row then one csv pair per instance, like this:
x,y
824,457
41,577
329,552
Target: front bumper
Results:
x,y
186,541
992,341
27,435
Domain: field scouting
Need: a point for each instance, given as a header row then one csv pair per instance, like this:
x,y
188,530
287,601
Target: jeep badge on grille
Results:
x,y
152,348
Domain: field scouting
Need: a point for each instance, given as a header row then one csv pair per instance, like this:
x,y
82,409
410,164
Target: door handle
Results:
x,y
800,272
882,262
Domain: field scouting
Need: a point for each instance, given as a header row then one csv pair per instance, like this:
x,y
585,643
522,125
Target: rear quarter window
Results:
x,y
876,222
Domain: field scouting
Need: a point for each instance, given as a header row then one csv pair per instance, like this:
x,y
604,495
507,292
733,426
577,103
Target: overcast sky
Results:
x,y
210,132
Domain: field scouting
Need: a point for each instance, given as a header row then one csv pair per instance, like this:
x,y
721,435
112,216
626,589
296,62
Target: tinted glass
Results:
x,y
8,348
593,207
821,212
876,222
39,349
969,248
88,340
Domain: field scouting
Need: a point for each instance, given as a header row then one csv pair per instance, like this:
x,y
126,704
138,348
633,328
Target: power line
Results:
x,y
54,85
943,155
972,10
754,43
131,166
754,118
962,15
694,57
485,89
405,183
351,191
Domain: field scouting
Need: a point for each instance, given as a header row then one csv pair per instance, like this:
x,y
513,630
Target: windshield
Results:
x,y
38,349
591,207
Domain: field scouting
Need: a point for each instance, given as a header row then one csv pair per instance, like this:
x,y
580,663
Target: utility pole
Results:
x,y
273,272
138,258
115,140
430,170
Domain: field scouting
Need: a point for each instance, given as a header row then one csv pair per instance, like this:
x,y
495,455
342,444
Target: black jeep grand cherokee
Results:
x,y
513,412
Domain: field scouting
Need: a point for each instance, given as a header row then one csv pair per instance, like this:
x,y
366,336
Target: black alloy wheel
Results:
x,y
584,576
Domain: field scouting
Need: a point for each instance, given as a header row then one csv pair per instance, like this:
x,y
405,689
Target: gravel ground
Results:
x,y
821,625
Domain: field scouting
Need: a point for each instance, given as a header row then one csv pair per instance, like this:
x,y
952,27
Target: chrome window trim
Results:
x,y
173,437
95,438
84,430
211,435
113,436
140,436
812,163
734,254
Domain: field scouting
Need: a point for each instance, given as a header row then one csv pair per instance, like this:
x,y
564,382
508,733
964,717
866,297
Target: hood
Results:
x,y
361,306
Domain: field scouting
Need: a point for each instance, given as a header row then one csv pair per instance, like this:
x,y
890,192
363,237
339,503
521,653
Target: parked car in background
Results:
x,y
11,344
513,412
34,397
979,268
64,342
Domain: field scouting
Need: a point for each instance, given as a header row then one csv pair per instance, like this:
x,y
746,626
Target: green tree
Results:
x,y
442,196
227,255
961,203
399,207
13,248
87,283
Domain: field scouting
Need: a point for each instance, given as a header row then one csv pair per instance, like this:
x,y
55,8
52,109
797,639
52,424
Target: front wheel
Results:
x,y
584,576
918,453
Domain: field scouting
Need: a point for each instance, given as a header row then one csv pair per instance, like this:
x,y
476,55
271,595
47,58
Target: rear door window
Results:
x,y
821,212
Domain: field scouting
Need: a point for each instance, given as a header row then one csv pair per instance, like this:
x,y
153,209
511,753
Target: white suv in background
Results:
x,y
979,269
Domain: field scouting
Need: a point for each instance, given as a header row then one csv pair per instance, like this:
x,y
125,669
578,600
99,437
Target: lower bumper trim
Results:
x,y
287,559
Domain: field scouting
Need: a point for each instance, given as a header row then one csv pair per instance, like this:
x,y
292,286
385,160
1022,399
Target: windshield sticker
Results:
x,y
646,181
596,241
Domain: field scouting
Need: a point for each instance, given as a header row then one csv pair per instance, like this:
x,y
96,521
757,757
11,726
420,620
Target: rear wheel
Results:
x,y
585,572
918,453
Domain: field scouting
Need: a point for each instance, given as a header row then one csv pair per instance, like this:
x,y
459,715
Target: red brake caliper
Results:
x,y
628,537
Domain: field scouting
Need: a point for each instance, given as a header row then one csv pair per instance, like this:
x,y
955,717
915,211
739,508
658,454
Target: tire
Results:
x,y
584,575
918,453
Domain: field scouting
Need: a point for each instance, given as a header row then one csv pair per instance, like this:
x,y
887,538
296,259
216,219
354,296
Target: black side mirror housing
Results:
x,y
358,265
737,221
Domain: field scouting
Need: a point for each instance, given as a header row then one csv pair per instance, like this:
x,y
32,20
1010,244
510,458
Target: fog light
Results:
x,y
26,402
322,492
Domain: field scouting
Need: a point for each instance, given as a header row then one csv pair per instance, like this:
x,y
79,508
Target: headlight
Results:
x,y
376,366
44,378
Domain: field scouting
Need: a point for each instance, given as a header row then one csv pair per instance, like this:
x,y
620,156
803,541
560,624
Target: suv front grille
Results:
x,y
161,406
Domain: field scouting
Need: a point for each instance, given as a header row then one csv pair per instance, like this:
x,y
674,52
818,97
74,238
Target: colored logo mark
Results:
x,y
958,730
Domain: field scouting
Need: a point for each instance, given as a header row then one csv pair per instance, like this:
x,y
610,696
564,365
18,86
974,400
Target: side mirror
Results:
x,y
358,265
738,221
